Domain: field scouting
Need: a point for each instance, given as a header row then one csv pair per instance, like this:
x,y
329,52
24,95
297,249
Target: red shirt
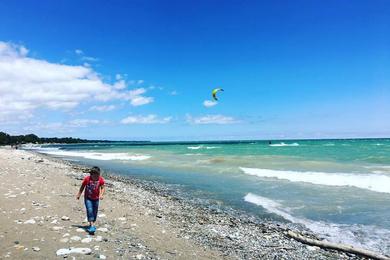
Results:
x,y
92,188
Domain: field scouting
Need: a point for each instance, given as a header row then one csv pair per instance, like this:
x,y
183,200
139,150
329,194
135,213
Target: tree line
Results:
x,y
6,139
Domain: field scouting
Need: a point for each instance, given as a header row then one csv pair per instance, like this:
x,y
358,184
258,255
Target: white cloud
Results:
x,y
211,119
209,103
173,93
63,127
82,122
27,84
102,108
149,119
85,58
79,52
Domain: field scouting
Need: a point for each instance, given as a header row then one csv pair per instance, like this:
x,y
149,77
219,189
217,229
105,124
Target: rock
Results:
x,y
86,240
54,221
103,229
140,256
30,221
36,249
66,235
57,228
102,257
64,240
68,251
101,215
65,218
122,219
99,239
80,230
75,238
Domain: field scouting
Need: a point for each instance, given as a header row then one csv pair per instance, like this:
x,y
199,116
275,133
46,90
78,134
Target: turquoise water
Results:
x,y
337,188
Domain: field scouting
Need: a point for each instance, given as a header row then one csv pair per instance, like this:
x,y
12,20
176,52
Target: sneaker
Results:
x,y
92,229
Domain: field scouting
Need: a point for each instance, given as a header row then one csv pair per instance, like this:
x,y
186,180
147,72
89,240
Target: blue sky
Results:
x,y
142,69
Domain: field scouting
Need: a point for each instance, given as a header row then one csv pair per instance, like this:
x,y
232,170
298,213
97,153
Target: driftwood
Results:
x,y
339,247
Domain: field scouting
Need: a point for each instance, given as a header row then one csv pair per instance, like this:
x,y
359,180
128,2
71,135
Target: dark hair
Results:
x,y
95,169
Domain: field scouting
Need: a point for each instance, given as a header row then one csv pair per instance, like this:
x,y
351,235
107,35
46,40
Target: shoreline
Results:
x,y
148,212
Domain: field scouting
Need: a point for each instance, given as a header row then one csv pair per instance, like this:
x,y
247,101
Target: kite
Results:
x,y
214,93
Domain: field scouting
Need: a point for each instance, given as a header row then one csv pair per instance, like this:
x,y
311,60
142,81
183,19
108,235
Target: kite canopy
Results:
x,y
214,92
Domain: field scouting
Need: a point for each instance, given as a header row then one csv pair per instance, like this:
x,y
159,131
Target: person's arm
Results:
x,y
102,190
80,191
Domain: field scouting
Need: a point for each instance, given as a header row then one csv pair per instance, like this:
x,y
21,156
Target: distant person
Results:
x,y
94,190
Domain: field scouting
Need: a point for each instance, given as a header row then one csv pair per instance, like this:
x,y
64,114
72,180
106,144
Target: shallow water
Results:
x,y
338,188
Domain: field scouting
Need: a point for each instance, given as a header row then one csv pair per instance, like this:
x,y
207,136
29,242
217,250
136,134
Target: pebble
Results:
x,y
68,251
64,240
102,229
80,230
36,249
102,215
75,238
65,218
57,228
102,257
54,221
99,239
140,256
30,221
122,219
86,240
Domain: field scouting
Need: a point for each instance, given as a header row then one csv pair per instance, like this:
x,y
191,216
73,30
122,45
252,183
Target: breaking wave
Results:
x,y
95,155
284,144
364,236
373,182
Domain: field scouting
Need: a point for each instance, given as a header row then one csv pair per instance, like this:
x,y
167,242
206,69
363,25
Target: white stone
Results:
x,y
75,238
102,229
66,235
64,240
140,256
102,215
54,221
67,251
99,239
86,240
80,230
57,228
36,249
65,218
102,257
122,219
30,221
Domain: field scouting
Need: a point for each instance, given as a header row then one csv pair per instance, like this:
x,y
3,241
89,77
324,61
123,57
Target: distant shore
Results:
x,y
138,220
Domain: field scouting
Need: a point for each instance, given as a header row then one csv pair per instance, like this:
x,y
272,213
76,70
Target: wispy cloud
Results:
x,y
149,119
211,119
84,57
64,127
209,103
102,108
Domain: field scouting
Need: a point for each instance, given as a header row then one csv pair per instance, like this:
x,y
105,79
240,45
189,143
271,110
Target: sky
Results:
x,y
144,70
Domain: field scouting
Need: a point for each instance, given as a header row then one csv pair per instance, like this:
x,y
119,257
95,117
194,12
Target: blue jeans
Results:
x,y
92,207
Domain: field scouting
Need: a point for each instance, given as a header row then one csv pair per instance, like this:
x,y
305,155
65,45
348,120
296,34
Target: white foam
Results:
x,y
212,147
284,144
98,156
369,237
194,147
373,182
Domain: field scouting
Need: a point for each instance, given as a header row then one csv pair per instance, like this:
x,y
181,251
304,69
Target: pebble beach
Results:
x,y
40,218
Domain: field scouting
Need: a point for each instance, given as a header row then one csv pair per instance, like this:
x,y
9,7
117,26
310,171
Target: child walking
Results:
x,y
94,190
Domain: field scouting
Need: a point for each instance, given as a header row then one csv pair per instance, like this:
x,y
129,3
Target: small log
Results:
x,y
339,247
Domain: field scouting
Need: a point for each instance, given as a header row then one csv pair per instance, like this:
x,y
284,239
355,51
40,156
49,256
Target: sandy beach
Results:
x,y
39,216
